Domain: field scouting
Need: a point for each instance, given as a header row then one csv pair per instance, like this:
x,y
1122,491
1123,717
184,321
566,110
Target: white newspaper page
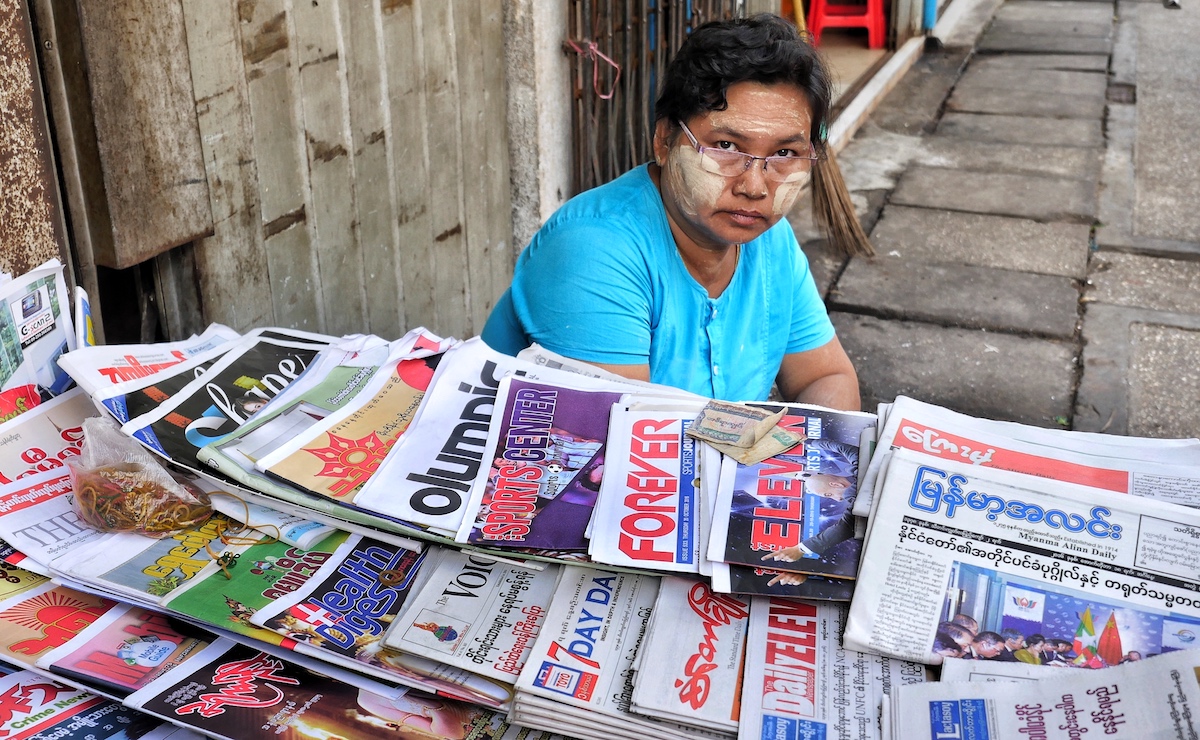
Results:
x,y
475,614
690,664
44,438
972,562
1154,699
648,515
801,683
105,365
36,517
964,669
583,655
1144,467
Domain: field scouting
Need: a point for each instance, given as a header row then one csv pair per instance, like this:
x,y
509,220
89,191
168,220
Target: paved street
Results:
x,y
1033,200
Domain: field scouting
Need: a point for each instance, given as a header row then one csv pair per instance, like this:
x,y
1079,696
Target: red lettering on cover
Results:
x,y
238,686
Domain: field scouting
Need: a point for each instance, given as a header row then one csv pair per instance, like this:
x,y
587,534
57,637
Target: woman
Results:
x,y
683,271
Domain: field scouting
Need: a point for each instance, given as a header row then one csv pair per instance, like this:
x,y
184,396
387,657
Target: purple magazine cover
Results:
x,y
546,468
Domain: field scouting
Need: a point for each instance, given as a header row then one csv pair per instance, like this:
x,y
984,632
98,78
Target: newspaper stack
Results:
x,y
1154,698
800,682
579,678
1099,574
689,669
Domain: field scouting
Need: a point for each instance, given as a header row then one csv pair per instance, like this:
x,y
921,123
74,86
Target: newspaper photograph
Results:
x,y
965,561
793,512
35,330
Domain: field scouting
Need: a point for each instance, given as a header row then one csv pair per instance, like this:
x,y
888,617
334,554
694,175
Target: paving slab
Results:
x,y
1062,28
1144,282
912,107
1000,194
959,295
1076,163
824,262
1066,82
1014,63
995,376
1021,130
985,241
1139,372
1043,43
1168,124
1055,10
1019,102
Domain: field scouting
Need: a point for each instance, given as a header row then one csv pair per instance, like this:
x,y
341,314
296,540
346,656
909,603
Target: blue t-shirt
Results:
x,y
602,281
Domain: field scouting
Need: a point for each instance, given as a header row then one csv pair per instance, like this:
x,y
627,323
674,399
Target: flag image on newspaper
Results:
x,y
544,435
973,562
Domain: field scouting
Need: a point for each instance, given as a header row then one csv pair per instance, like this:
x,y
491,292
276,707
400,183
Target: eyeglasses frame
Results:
x,y
749,158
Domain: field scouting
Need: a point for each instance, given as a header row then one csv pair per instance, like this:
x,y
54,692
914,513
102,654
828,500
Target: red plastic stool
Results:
x,y
824,14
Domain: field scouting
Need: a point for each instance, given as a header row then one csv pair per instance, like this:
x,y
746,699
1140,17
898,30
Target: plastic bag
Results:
x,y
120,487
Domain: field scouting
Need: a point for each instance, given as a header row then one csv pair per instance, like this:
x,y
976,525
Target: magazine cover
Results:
x,y
649,510
336,461
751,581
143,567
85,328
125,649
102,366
36,708
234,691
426,478
44,438
346,606
263,572
43,618
35,330
793,512
545,436
476,614
236,386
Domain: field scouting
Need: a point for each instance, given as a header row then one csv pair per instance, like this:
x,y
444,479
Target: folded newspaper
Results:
x,y
1141,700
961,558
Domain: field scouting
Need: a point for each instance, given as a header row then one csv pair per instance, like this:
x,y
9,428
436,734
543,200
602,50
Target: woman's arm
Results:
x,y
823,376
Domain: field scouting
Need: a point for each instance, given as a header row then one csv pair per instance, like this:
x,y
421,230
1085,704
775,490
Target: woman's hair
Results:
x,y
765,49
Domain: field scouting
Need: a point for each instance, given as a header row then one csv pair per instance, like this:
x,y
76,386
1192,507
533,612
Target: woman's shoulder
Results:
x,y
627,200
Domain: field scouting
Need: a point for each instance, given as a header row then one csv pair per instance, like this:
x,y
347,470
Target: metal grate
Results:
x,y
612,118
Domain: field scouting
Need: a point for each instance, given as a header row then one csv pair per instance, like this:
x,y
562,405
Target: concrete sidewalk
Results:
x,y
1033,200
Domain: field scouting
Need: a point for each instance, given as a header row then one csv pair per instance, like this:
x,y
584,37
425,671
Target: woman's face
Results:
x,y
716,211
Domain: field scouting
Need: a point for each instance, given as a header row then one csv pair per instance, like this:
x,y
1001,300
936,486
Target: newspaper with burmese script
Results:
x,y
1007,556
1136,465
1148,699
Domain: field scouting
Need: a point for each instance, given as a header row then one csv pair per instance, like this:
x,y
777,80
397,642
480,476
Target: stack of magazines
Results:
x,y
426,536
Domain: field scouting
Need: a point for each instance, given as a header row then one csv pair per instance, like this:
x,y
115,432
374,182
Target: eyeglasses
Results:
x,y
730,163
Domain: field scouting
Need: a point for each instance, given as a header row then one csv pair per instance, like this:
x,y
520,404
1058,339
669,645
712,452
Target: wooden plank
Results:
x,y
57,34
31,215
231,265
374,200
407,139
279,151
146,127
477,139
445,167
330,167
497,174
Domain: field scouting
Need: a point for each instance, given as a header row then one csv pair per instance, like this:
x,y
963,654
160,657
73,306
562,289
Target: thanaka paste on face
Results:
x,y
695,189
786,194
